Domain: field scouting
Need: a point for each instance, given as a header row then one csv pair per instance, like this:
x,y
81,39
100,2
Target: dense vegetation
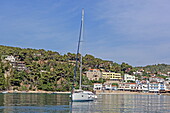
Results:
x,y
164,68
50,71
43,70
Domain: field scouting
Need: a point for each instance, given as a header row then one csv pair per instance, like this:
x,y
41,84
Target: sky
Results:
x,y
136,32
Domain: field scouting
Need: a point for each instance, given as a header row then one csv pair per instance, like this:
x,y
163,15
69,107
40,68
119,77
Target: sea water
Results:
x,y
107,103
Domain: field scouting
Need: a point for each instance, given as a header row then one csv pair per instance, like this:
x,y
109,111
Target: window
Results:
x,y
95,75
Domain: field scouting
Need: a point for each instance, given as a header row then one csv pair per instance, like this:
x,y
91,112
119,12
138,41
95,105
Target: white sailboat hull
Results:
x,y
83,96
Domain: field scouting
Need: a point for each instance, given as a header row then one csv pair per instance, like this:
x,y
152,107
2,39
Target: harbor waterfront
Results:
x,y
98,92
60,103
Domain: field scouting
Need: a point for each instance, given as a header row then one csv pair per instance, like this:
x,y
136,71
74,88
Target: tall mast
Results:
x,y
82,30
78,49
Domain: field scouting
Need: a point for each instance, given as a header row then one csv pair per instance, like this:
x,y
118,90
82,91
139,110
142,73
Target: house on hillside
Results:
x,y
10,58
93,74
112,76
128,77
145,78
156,79
138,73
20,65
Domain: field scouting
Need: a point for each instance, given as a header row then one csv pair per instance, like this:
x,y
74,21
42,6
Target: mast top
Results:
x,y
82,14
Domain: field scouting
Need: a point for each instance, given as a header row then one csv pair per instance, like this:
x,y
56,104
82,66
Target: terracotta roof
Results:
x,y
97,83
130,83
94,69
153,82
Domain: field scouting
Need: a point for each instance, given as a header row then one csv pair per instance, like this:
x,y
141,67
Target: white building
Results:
x,y
156,87
10,58
128,77
138,73
108,86
143,87
127,86
156,79
168,80
162,86
147,87
97,86
168,72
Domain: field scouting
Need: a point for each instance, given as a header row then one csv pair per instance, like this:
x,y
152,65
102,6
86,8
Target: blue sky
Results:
x,y
133,31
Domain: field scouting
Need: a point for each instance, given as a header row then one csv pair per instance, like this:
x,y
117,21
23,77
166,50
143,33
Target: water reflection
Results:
x,y
125,104
30,103
33,99
40,103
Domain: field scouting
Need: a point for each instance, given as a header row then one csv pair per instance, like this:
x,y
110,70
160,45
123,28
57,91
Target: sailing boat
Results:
x,y
81,95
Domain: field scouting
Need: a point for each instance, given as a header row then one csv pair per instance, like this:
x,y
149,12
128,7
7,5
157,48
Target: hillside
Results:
x,y
38,69
31,69
157,68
